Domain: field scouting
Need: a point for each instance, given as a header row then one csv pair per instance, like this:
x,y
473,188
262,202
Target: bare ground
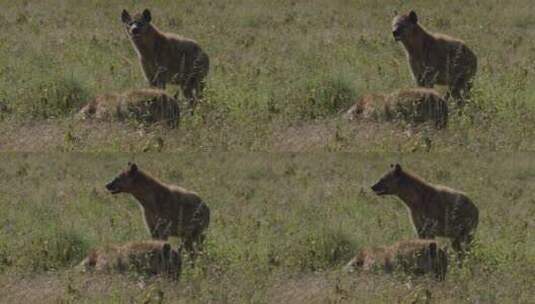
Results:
x,y
323,135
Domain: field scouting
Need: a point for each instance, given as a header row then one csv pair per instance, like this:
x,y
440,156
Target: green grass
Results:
x,y
281,73
282,227
283,224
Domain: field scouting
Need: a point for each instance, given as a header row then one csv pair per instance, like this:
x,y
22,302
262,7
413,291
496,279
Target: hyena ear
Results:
x,y
397,168
146,15
132,167
125,16
394,13
412,17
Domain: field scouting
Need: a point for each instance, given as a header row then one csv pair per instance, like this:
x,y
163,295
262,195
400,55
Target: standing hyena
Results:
x,y
435,210
168,210
436,58
167,58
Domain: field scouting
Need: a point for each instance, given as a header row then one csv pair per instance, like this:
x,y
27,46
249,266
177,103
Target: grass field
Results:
x,y
283,223
282,71
282,228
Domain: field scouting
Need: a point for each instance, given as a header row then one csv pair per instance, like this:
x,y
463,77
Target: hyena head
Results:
x,y
362,261
137,26
390,183
125,181
403,26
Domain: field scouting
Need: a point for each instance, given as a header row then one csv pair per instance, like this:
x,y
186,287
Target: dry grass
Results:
x,y
276,67
283,226
283,223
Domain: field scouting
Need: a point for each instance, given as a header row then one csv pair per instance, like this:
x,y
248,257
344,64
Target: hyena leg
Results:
x,y
158,79
199,90
200,71
425,234
426,230
428,78
458,247
160,230
461,92
193,244
157,234
440,114
189,95
455,94
466,87
462,245
189,245
199,242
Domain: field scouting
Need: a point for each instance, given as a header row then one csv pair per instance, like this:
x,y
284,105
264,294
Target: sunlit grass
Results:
x,y
274,66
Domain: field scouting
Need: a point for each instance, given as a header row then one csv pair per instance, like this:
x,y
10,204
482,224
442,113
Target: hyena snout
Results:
x,y
112,187
397,33
135,30
379,188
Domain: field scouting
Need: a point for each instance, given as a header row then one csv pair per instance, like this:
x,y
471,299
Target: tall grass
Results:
x,y
275,66
282,227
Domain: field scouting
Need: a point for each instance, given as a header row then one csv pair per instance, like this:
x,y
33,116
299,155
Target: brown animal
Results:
x,y
168,210
436,58
147,257
417,105
434,210
145,105
167,58
412,256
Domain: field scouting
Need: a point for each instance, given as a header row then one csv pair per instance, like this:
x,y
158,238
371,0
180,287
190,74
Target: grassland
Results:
x,y
283,223
282,228
282,71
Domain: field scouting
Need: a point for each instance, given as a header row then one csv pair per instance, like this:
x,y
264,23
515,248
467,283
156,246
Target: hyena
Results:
x,y
435,210
168,210
415,256
167,58
145,105
147,257
415,105
436,58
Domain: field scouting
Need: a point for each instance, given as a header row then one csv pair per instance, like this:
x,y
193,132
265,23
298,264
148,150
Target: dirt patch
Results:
x,y
56,136
35,289
322,135
306,289
339,135
67,287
